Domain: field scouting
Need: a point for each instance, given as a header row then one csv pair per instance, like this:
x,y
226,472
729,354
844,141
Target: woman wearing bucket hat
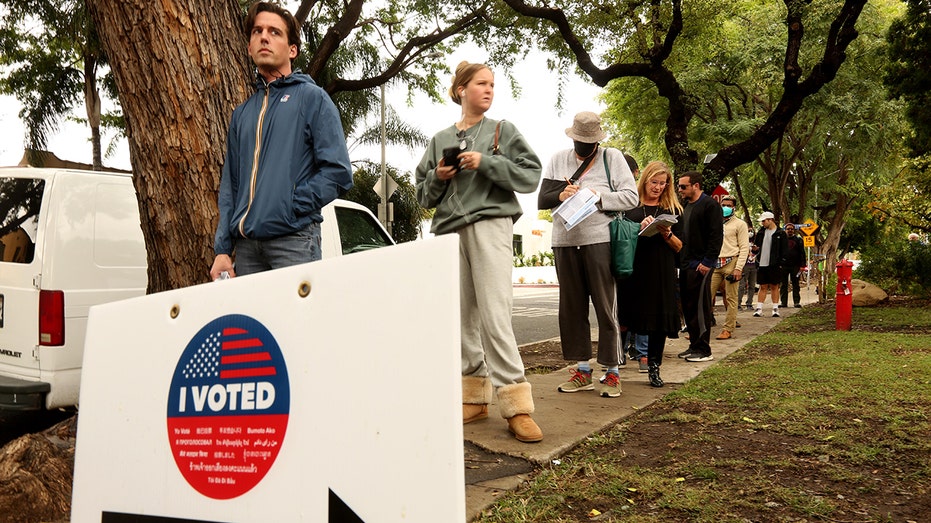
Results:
x,y
469,174
583,253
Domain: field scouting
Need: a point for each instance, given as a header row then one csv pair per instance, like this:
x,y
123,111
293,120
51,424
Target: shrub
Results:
x,y
898,266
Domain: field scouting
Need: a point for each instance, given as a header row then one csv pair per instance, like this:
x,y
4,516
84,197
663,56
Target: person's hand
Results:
x,y
445,172
470,160
737,274
222,263
568,192
703,269
663,229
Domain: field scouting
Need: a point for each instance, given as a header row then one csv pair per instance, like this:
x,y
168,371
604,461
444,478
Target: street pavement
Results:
x,y
495,462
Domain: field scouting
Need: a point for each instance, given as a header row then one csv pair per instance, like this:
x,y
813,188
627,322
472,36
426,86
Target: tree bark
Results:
x,y
92,106
181,68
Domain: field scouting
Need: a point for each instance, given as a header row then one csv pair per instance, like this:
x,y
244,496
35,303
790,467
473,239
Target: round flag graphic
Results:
x,y
228,407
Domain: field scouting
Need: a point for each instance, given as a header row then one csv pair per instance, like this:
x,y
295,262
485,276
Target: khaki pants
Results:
x,y
730,292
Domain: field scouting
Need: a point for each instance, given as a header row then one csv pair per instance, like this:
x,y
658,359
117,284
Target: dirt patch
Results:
x,y
755,464
763,465
543,357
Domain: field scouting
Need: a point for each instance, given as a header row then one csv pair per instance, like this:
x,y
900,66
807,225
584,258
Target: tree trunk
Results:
x,y
92,107
181,67
835,227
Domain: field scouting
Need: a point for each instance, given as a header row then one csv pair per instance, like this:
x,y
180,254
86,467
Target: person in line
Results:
x,y
735,248
583,253
635,346
770,246
795,259
474,197
649,306
286,158
748,278
702,236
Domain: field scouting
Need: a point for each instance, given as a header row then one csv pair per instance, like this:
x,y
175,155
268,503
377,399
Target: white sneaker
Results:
x,y
758,312
775,313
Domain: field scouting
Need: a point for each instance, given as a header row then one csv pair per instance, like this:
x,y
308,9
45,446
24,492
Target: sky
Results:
x,y
534,113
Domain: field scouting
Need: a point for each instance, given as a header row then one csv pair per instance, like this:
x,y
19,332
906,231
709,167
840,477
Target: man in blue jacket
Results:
x,y
286,157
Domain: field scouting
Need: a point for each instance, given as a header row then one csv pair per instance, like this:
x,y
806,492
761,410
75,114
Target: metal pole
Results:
x,y
384,139
385,207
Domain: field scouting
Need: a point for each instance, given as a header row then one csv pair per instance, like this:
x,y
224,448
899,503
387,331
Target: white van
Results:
x,y
71,239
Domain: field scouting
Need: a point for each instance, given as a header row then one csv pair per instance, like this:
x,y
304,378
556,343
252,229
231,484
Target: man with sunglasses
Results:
x,y
703,235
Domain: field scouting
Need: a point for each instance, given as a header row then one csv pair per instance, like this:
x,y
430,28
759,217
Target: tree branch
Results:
x,y
334,37
842,33
414,48
653,69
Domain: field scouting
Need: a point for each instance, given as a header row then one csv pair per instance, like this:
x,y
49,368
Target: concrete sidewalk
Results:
x,y
496,462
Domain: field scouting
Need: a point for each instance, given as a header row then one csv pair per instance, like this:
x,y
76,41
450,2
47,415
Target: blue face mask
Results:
x,y
728,211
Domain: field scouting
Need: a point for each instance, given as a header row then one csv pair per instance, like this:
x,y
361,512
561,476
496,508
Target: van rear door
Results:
x,y
22,209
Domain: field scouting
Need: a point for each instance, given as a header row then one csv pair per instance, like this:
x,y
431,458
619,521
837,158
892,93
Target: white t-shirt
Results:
x,y
767,247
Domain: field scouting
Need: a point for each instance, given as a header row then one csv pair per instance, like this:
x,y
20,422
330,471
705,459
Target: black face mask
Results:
x,y
584,149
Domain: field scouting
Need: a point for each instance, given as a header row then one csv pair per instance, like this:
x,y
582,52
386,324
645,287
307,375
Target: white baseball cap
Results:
x,y
767,216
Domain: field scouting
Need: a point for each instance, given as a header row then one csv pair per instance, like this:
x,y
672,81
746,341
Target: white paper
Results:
x,y
663,219
577,207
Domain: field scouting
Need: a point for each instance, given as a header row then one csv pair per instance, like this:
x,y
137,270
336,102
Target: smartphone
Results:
x,y
451,157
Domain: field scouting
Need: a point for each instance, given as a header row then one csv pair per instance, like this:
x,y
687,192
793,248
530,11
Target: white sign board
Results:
x,y
329,391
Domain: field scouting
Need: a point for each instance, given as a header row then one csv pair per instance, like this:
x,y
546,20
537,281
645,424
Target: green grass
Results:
x,y
803,423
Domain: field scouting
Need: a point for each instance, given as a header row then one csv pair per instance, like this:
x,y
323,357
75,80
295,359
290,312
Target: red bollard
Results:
x,y
843,302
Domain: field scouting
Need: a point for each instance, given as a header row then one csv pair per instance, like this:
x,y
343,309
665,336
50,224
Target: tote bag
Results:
x,y
623,238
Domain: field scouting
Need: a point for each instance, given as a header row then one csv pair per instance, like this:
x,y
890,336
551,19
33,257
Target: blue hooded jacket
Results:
x,y
286,158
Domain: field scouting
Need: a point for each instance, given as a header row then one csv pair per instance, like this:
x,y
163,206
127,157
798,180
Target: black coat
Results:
x,y
778,250
795,253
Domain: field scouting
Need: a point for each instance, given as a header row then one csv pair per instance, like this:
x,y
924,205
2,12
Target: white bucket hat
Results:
x,y
586,128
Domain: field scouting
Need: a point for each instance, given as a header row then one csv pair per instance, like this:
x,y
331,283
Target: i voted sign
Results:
x,y
218,411
228,407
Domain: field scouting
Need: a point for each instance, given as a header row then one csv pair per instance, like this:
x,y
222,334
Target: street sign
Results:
x,y
808,228
808,241
379,187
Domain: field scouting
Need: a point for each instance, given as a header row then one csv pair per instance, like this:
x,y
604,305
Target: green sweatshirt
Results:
x,y
487,192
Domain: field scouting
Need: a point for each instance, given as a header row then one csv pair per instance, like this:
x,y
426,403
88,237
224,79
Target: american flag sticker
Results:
x,y
228,406
285,98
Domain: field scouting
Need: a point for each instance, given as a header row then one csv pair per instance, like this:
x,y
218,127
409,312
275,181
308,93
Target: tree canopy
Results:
x,y
908,71
52,56
179,80
644,39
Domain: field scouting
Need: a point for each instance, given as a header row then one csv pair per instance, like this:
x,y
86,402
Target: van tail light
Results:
x,y
51,318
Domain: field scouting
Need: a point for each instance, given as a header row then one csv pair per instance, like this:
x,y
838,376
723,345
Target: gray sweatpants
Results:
x,y
486,297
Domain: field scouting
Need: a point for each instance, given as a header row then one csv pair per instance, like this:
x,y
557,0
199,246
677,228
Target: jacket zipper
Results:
x,y
255,161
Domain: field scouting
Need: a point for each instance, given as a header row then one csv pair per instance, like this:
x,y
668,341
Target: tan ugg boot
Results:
x,y
516,403
476,394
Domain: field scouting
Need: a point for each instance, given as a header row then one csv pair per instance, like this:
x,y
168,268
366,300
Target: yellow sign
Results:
x,y
808,241
808,228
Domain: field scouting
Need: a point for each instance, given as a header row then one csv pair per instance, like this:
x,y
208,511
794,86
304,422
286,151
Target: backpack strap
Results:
x,y
604,159
495,150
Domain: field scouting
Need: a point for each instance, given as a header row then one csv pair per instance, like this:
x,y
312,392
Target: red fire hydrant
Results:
x,y
844,300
